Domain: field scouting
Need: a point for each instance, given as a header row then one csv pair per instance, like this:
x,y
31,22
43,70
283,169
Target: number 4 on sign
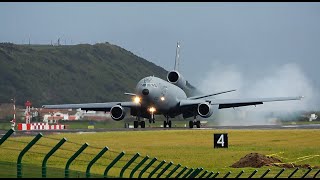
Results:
x,y
221,140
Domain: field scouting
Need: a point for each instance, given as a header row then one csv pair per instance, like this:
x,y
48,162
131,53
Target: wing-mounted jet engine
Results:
x,y
117,113
205,110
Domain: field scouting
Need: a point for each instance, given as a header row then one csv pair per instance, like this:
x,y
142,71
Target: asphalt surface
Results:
x,y
44,132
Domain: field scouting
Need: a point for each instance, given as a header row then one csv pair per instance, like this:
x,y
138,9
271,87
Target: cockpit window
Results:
x,y
149,85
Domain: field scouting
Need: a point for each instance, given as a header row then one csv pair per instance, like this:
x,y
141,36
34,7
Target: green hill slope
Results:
x,y
84,73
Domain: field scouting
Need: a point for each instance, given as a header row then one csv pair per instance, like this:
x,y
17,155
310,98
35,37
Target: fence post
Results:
x,y
164,170
214,176
293,172
210,174
228,173
147,166
174,170
94,160
241,172
306,173
156,169
5,137
191,174
204,173
264,174
139,165
105,174
19,165
128,164
181,172
45,159
74,156
187,174
195,173
253,173
315,175
281,171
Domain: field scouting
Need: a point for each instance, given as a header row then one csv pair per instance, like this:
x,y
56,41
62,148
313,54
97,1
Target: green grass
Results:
x,y
191,148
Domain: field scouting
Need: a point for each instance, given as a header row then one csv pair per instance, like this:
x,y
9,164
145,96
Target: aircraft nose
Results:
x,y
145,92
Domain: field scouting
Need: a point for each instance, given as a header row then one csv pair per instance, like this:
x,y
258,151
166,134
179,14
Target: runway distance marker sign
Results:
x,y
220,140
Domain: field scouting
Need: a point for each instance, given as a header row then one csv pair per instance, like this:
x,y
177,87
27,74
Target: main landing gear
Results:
x,y
194,122
167,122
139,122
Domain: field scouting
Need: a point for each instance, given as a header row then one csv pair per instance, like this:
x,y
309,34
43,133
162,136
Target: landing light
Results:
x,y
152,109
136,99
162,98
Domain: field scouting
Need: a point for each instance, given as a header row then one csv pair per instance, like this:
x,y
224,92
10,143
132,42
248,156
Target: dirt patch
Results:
x,y
257,160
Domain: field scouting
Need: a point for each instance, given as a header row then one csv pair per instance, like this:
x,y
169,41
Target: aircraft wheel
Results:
x,y
143,124
169,123
164,124
190,124
198,124
135,124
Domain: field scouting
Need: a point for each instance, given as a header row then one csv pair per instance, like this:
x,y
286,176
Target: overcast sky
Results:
x,y
256,40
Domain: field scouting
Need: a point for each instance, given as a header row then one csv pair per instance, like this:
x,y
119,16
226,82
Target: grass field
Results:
x,y
191,148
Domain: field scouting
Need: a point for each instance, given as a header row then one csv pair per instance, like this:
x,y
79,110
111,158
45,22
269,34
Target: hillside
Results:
x,y
83,73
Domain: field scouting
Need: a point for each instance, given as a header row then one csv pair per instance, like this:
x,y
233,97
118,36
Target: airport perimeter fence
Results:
x,y
104,162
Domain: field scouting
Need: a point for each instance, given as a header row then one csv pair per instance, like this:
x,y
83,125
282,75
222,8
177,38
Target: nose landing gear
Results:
x,y
151,119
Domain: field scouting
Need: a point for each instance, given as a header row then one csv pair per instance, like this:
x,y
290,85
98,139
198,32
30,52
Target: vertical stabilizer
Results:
x,y
176,65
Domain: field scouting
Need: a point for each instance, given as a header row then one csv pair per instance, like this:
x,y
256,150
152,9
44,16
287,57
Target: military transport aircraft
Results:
x,y
155,96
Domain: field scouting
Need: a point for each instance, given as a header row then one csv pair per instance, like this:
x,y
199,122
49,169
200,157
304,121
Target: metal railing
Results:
x,y
163,168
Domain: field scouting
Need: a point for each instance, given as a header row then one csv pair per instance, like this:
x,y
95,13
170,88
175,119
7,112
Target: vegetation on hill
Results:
x,y
45,74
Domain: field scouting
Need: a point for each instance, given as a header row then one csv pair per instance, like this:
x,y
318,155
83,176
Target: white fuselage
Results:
x,y
160,94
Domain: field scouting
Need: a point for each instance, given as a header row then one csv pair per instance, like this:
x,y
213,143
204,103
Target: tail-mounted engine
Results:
x,y
176,78
205,110
117,113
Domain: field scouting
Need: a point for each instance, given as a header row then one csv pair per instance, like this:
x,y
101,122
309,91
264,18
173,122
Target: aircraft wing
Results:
x,y
208,95
229,103
92,106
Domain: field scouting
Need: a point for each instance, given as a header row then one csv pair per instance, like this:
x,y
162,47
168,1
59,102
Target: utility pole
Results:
x,y
13,121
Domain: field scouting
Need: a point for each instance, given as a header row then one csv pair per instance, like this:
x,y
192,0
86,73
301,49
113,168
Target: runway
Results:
x,y
82,131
